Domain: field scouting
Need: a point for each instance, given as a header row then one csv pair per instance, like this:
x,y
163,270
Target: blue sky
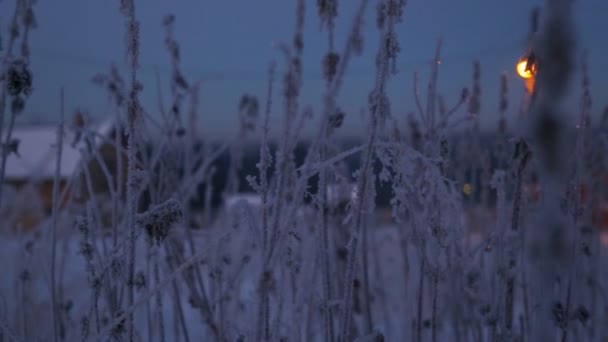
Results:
x,y
227,45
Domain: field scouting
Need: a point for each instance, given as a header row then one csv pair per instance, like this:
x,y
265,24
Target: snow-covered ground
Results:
x,y
25,300
167,303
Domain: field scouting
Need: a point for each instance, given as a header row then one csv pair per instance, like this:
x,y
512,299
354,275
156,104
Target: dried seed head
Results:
x,y
291,85
138,181
127,7
117,267
133,107
168,20
330,65
357,41
395,9
582,314
159,219
473,280
78,119
84,327
86,249
29,18
391,45
297,66
140,280
226,259
415,133
17,105
25,50
175,110
267,282
82,224
25,275
379,105
464,94
342,253
534,18
503,105
560,316
381,14
170,43
298,42
335,120
586,101
132,41
249,106
389,9
120,328
12,147
14,30
179,80
18,78
474,101
113,83
328,11
249,110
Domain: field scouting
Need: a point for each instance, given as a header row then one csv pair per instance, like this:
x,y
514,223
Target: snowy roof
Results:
x,y
252,199
37,154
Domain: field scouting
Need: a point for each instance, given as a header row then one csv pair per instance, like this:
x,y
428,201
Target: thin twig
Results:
x,y
55,213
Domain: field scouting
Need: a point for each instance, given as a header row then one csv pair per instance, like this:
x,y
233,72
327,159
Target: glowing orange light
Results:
x,y
523,70
527,72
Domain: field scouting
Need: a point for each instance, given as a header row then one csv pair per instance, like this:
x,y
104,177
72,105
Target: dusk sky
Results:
x,y
227,45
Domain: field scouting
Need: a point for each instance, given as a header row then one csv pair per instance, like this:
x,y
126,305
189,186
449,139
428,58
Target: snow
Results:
x,y
252,199
32,257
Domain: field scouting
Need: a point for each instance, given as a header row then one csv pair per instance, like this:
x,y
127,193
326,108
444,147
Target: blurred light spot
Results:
x,y
523,70
467,189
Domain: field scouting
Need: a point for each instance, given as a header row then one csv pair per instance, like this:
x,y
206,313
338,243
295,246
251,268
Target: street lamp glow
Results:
x,y
523,70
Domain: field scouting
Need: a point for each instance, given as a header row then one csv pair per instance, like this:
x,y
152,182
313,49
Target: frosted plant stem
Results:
x,y
327,314
160,317
349,278
3,96
420,303
55,214
435,305
510,285
366,281
180,311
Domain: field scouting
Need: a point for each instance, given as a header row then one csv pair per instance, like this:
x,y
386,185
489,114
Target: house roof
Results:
x,y
37,154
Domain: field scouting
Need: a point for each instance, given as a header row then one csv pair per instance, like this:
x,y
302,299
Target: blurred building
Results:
x,y
30,168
